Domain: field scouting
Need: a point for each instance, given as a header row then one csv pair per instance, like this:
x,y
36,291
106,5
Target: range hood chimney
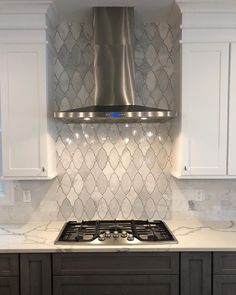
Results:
x,y
114,72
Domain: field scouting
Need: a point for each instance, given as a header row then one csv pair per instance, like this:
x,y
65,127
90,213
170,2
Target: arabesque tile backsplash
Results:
x,y
115,170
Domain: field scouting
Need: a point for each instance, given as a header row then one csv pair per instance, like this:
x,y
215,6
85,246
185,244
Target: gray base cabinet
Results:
x,y
224,285
138,263
117,285
9,286
35,274
9,265
224,263
196,273
9,274
116,273
139,273
224,273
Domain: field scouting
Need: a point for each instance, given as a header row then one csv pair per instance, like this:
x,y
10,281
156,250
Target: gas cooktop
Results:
x,y
115,232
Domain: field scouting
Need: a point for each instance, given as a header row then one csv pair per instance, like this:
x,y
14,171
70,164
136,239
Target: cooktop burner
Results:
x,y
113,232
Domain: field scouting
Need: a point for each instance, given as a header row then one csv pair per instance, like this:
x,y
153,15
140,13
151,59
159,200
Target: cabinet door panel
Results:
x,y
22,94
9,265
9,286
224,285
224,263
204,109
35,271
232,113
196,273
117,285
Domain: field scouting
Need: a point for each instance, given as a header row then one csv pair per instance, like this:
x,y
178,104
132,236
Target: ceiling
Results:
x,y
147,10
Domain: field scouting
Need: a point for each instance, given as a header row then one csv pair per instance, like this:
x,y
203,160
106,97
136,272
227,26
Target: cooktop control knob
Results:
x,y
115,234
101,237
124,234
130,237
107,234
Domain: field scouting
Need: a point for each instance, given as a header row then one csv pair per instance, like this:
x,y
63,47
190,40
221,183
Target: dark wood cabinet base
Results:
x,y
196,273
139,263
224,285
117,285
35,274
9,286
116,273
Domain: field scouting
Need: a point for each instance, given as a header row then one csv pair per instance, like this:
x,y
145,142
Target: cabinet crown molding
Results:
x,y
26,21
216,6
208,20
24,7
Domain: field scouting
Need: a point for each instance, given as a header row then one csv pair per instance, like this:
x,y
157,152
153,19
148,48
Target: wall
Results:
x,y
116,171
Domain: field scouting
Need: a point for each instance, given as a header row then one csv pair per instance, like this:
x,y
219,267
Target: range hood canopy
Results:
x,y
114,72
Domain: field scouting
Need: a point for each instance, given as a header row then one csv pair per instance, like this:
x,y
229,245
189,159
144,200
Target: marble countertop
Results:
x,y
191,235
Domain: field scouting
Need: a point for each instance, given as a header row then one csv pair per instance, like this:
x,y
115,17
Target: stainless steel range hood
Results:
x,y
114,72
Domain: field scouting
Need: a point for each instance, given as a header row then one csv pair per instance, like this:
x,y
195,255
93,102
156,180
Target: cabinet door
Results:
x,y
35,274
224,268
195,274
204,108
224,285
117,285
232,113
9,286
23,99
224,263
9,265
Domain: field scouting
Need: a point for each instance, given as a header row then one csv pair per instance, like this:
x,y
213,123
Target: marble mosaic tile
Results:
x,y
115,171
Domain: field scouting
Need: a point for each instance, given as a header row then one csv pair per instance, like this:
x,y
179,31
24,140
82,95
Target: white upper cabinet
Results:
x,y
28,149
205,144
232,113
204,108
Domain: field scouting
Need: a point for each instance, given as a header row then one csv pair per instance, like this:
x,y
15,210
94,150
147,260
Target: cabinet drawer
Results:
x,y
9,265
115,263
117,285
225,263
224,285
9,286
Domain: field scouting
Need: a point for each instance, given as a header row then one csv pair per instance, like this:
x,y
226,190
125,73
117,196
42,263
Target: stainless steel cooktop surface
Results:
x,y
115,232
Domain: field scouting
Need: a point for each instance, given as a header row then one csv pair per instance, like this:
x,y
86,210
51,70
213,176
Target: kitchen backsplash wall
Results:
x,y
116,171
110,170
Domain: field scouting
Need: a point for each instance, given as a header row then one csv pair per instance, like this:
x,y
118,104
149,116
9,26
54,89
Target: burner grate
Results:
x,y
142,230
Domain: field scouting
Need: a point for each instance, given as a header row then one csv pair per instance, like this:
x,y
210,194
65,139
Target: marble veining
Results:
x,y
186,230
197,236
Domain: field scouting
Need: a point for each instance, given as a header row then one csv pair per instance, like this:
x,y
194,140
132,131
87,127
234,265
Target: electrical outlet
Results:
x,y
200,195
27,196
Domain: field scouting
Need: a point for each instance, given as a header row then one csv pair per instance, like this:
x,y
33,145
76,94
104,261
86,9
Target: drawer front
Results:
x,y
117,285
224,285
9,265
225,263
116,263
9,286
